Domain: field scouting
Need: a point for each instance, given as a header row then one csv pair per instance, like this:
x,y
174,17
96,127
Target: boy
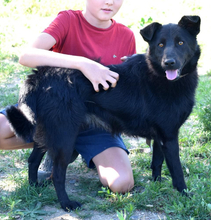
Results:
x,y
77,39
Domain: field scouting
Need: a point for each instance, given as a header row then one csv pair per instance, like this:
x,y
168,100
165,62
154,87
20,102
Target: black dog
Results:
x,y
153,98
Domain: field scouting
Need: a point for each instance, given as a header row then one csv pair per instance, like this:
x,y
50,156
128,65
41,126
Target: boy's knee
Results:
x,y
122,184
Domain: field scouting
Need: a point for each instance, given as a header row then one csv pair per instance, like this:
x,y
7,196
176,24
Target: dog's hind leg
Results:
x,y
157,160
171,153
61,162
34,162
61,148
59,176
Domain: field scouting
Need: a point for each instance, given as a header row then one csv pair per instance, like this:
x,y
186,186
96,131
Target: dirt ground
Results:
x,y
62,215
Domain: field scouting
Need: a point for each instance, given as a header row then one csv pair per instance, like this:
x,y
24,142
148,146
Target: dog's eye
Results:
x,y
181,43
160,44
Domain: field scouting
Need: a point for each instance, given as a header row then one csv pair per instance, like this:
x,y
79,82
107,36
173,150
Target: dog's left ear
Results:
x,y
148,32
191,24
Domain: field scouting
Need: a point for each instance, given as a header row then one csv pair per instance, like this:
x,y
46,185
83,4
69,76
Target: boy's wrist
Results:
x,y
81,63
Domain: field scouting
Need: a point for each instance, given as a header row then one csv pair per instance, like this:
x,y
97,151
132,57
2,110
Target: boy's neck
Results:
x,y
95,22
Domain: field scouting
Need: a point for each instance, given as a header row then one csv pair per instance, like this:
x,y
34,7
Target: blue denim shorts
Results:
x,y
92,141
3,111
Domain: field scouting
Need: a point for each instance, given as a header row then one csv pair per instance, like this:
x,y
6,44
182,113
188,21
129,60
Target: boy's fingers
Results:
x,y
113,81
96,87
105,86
115,75
124,58
113,85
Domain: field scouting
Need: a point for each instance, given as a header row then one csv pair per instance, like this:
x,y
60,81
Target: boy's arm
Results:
x,y
39,54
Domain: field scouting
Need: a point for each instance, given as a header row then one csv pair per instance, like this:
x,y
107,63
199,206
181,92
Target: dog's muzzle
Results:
x,y
173,74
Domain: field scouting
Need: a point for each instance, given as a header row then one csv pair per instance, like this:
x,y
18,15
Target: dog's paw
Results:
x,y
70,205
156,178
40,184
33,183
187,193
159,179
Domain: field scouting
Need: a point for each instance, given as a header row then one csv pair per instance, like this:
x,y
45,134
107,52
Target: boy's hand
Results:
x,y
99,74
123,59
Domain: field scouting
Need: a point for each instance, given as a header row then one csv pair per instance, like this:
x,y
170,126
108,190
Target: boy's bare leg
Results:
x,y
8,140
114,169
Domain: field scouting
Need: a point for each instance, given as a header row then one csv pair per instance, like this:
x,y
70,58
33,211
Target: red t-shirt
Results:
x,y
75,36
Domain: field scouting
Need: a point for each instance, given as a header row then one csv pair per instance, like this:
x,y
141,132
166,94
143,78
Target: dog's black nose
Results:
x,y
169,62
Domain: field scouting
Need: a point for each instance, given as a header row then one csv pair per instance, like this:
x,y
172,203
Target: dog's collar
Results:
x,y
183,75
179,77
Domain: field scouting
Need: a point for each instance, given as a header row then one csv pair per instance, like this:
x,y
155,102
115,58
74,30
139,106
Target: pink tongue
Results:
x,y
171,74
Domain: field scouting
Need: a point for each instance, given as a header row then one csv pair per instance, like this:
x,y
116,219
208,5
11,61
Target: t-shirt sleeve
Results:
x,y
58,28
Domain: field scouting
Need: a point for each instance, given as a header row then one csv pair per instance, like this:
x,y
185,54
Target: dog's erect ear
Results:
x,y
148,32
191,24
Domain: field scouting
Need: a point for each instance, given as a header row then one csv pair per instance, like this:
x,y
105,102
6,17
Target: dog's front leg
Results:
x,y
171,153
157,160
59,176
34,162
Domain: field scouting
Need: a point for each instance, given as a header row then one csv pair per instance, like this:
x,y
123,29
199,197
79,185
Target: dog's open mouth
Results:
x,y
172,74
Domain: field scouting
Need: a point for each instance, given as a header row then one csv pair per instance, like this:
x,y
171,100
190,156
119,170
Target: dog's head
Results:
x,y
171,46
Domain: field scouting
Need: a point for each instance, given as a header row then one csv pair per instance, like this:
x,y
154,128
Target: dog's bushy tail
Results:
x,y
20,124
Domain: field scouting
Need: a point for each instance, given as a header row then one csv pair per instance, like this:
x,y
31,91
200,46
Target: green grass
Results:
x,y
20,21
